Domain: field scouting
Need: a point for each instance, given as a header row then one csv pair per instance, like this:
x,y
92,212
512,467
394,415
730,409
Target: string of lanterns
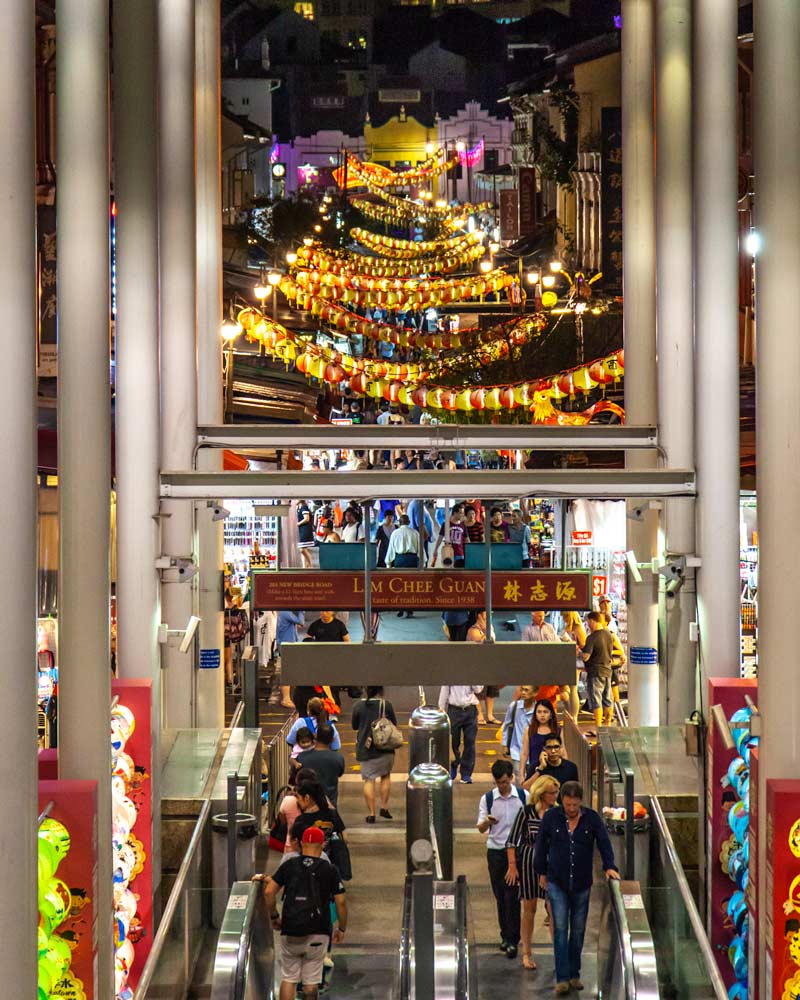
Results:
x,y
375,175
388,246
378,267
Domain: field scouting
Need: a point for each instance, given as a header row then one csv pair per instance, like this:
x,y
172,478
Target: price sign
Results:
x,y
581,538
599,586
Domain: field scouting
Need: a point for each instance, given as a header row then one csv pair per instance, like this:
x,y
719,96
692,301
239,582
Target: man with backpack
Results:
x,y
496,814
309,884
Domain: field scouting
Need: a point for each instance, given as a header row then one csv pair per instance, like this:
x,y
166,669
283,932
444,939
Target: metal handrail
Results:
x,y
172,903
699,931
237,715
277,766
404,985
625,942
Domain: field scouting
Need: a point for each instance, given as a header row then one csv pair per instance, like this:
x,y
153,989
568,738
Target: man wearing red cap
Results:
x,y
309,883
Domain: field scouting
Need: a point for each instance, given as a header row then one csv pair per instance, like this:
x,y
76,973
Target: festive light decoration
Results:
x,y
129,854
347,263
362,174
388,246
470,157
55,902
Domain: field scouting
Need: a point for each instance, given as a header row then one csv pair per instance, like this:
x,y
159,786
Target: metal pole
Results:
x,y
367,575
178,329
487,583
421,555
675,315
233,809
776,118
639,323
84,428
18,778
210,402
717,336
136,353
249,661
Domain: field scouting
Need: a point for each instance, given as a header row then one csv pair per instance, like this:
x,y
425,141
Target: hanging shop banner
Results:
x,y
421,589
781,912
527,201
509,214
611,190
47,284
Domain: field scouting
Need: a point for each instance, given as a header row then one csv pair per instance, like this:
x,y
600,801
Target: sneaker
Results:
x,y
385,814
370,819
466,781
327,962
511,951
576,984
562,988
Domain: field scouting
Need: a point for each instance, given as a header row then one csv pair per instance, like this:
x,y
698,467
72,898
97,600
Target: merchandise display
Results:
x,y
55,902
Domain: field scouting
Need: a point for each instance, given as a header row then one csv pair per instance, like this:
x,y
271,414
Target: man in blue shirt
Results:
x,y
564,863
518,717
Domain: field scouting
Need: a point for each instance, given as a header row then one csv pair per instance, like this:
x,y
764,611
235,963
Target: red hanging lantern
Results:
x,y
477,399
334,374
449,399
301,364
566,384
358,383
507,400
392,391
419,396
599,374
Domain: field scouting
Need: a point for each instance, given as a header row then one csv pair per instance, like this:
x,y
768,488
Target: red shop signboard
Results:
x,y
434,590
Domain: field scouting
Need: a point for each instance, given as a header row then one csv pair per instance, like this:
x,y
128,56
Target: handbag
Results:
x,y
507,747
385,734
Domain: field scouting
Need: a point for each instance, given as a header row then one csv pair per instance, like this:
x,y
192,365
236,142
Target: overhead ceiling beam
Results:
x,y
445,437
609,484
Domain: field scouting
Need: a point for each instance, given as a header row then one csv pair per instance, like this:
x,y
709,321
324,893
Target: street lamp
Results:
x,y
291,258
274,278
308,241
261,292
548,280
485,266
533,277
556,266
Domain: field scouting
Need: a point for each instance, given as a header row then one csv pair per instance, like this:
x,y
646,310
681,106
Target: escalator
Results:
x,y
437,958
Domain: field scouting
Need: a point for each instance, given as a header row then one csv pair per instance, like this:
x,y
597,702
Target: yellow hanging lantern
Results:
x,y
463,400
549,299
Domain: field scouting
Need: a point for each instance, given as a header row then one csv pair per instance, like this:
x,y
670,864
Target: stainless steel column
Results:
x,y
136,351
717,336
84,427
675,340
210,404
639,323
176,201
776,121
18,774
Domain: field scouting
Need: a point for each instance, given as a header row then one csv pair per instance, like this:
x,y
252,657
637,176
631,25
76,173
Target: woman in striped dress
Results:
x,y
520,846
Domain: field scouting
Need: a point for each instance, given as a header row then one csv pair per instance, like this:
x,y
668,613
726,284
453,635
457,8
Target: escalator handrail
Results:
x,y
255,896
405,943
175,897
462,945
624,937
699,931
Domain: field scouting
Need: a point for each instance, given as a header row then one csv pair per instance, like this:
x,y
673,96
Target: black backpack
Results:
x,y
302,904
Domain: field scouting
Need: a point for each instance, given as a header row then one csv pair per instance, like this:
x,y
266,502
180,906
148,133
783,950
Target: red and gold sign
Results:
x,y
435,590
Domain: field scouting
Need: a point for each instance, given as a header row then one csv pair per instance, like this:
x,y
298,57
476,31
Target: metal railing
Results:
x,y
238,714
175,898
637,970
579,751
695,921
277,766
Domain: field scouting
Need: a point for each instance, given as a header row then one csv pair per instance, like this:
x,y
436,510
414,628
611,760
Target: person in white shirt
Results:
x,y
460,701
403,548
539,630
518,717
497,812
352,530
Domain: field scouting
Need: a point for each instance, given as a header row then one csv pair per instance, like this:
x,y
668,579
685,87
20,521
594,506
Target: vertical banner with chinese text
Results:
x,y
611,198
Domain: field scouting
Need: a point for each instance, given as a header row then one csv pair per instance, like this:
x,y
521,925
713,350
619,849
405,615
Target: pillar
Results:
x,y
639,327
136,352
18,767
717,337
84,427
675,341
776,121
210,409
176,203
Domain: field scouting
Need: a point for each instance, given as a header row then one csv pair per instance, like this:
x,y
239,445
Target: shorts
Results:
x,y
377,767
490,691
599,692
306,545
302,958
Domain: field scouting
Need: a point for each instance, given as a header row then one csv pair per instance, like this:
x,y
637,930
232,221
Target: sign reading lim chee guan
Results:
x,y
435,590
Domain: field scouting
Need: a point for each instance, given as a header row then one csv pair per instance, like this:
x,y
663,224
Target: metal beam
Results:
x,y
609,484
446,437
405,663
